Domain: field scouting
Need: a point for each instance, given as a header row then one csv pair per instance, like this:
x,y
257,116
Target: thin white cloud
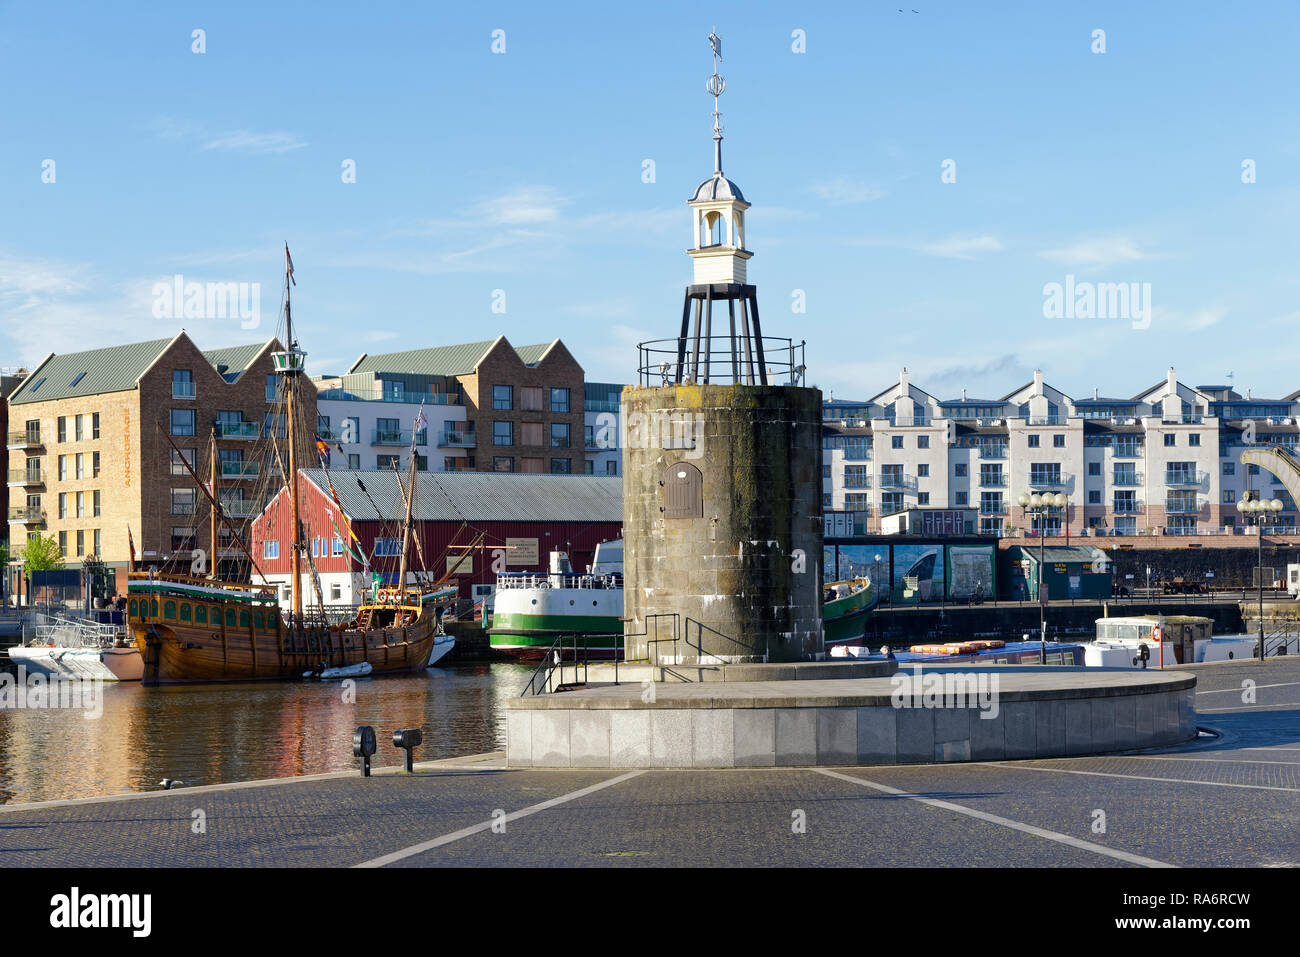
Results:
x,y
1097,252
842,191
957,247
526,206
248,141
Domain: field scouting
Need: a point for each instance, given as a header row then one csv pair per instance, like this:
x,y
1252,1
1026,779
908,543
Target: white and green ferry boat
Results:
x,y
530,611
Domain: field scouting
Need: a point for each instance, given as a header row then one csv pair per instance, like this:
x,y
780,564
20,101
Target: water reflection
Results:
x,y
212,734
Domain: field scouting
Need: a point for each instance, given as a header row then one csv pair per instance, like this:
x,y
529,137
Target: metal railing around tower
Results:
x,y
720,360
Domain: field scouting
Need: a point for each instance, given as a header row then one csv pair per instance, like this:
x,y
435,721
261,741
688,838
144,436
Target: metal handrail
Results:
x,y
700,627
661,361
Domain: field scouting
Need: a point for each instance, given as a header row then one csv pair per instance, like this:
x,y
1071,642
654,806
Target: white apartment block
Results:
x,y
1164,462
601,428
368,418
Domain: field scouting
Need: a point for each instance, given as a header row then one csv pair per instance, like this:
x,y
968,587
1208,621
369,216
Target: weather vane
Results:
x,y
715,85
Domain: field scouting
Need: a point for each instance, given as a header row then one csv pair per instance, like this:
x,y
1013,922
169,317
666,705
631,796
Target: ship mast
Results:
x,y
410,504
290,364
212,466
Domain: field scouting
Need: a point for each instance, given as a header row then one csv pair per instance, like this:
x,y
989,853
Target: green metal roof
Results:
x,y
442,360
477,496
114,369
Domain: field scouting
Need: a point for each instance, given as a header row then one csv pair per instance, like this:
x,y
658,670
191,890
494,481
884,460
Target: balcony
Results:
x,y
1049,479
909,421
26,515
1128,508
993,451
1127,450
26,477
376,395
27,438
857,481
1184,477
1047,420
467,440
856,454
1183,508
601,405
182,390
1127,479
397,437
241,470
239,508
993,509
992,481
239,430
897,480
1180,530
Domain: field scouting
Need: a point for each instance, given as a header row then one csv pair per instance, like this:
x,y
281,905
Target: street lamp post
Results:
x,y
1042,505
1254,510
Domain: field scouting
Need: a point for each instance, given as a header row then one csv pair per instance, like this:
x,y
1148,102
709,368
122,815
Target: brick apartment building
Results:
x,y
87,460
524,407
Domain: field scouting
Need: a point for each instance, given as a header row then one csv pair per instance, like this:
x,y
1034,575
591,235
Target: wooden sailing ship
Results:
x,y
193,629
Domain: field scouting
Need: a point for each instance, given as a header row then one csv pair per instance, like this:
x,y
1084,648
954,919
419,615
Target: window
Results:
x,y
200,614
98,543
336,592
991,475
922,441
1094,496
533,466
611,467
81,505
560,400
182,384
388,462
271,549
79,377
79,429
990,526
990,503
1094,468
857,501
272,386
81,542
63,544
503,463
961,498
589,467
182,421
959,470
94,465
561,466
336,547
1194,439
922,498
1126,502
394,390
182,501
94,426
95,505
1126,473
1170,439
182,538
388,547
81,465
354,461
63,505
1044,473
530,399
179,459
503,433
63,428
1229,468
1033,441
503,398
896,441
1058,441
1229,496
891,502
388,431
531,433
560,435
923,471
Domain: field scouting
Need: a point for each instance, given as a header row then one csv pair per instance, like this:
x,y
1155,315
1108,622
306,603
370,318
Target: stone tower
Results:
x,y
722,514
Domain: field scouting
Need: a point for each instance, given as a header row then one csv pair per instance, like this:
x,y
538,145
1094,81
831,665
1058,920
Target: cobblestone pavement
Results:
x,y
1231,800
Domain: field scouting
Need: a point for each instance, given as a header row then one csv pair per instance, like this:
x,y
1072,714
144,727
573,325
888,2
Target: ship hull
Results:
x,y
844,620
106,664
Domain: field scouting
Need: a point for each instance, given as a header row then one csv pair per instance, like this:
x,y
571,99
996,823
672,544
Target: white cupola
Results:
x,y
718,208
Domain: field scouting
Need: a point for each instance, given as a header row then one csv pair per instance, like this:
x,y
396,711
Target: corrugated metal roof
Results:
x,y
477,496
236,358
459,359
115,369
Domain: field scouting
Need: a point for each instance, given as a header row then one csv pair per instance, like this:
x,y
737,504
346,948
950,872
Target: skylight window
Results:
x,y
80,376
37,384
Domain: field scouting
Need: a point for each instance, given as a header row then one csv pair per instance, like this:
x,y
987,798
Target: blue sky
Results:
x,y
522,172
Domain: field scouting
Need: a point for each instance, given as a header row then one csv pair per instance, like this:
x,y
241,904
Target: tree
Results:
x,y
42,554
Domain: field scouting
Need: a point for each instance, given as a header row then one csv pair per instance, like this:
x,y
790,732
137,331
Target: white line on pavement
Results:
x,y
1142,777
1247,709
1005,822
1284,684
478,828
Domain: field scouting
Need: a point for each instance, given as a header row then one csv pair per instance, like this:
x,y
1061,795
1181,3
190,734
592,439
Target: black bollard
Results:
x,y
363,747
408,739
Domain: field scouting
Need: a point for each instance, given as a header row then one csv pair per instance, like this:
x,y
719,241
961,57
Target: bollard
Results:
x,y
363,747
408,739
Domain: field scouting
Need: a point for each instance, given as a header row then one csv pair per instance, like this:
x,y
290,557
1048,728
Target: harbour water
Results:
x,y
213,734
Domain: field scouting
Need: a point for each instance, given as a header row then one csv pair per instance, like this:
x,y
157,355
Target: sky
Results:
x,y
918,180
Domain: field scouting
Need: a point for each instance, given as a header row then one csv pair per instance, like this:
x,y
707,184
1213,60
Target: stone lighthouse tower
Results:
x,y
722,519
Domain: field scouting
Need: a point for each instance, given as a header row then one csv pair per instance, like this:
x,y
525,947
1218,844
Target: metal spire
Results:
x,y
715,85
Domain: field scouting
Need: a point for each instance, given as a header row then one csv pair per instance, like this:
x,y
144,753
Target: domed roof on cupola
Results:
x,y
718,186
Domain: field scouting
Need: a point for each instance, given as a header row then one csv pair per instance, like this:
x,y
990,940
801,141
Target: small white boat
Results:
x,y
73,648
1169,640
441,645
359,670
